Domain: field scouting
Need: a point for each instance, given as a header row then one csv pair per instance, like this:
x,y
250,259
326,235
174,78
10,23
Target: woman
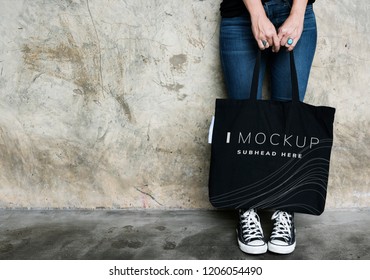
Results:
x,y
275,27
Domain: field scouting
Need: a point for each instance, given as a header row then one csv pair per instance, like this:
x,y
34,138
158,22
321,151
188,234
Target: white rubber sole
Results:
x,y
280,249
253,250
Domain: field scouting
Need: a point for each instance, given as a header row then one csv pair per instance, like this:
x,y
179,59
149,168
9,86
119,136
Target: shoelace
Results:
x,y
251,225
282,225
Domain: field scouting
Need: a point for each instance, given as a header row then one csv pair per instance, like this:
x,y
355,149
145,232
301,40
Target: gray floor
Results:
x,y
175,235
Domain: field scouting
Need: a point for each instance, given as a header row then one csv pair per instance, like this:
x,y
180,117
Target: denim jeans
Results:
x,y
238,50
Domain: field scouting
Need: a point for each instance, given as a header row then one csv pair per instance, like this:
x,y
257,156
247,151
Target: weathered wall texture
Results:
x,y
107,103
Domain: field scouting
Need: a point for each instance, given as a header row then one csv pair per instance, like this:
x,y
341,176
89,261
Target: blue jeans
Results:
x,y
238,50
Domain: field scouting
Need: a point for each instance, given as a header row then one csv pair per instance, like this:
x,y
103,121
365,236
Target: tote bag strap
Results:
x,y
293,74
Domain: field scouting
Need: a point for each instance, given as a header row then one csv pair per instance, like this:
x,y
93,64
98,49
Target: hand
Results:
x,y
265,33
291,30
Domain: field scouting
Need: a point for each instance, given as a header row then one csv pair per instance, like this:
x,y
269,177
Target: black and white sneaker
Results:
x,y
249,232
282,239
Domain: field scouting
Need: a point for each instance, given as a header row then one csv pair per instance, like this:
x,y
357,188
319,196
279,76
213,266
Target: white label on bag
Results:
x,y
228,137
210,132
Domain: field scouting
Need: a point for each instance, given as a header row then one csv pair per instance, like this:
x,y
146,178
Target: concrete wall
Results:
x,y
107,103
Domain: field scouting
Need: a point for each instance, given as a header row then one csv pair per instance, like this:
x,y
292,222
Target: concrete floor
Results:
x,y
138,235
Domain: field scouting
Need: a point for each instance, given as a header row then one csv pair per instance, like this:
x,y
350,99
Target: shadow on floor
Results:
x,y
178,235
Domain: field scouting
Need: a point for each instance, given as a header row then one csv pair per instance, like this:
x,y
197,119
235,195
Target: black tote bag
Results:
x,y
270,154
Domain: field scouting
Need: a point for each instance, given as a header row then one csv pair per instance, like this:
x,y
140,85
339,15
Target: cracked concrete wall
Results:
x,y
107,103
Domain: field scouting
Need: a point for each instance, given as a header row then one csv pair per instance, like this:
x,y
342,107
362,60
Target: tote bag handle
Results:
x,y
293,74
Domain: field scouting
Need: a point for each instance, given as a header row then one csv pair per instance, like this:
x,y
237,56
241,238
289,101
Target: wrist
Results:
x,y
299,7
298,12
254,8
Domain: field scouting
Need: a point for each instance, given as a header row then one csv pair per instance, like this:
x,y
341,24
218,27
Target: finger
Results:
x,y
291,43
283,41
266,44
289,47
292,46
270,41
287,41
276,44
262,44
283,36
271,36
